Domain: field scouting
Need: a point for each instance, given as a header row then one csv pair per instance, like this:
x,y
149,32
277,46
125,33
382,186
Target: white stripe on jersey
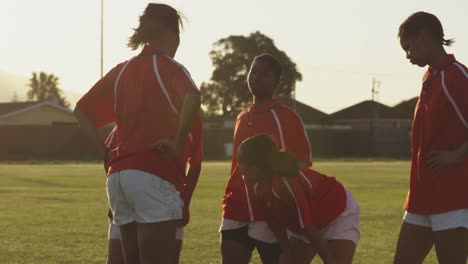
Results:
x,y
462,69
161,84
275,193
305,178
185,71
457,110
112,134
248,203
306,136
280,129
292,194
117,82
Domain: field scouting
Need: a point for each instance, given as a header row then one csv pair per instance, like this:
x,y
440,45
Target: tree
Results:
x,y
43,86
226,93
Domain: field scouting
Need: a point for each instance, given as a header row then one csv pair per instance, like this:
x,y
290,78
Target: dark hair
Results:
x,y
272,62
156,19
422,21
260,151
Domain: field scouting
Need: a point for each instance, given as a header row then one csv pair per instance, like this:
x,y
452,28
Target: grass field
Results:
x,y
56,213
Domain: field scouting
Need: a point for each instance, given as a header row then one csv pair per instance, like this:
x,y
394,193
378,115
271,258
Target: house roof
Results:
x,y
15,108
6,108
406,108
308,114
367,110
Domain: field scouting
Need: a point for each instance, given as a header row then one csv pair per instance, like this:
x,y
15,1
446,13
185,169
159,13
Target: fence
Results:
x,y
67,142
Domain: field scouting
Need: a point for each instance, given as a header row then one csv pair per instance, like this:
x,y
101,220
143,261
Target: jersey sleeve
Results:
x,y
98,103
303,207
196,156
296,139
181,82
456,89
290,191
235,145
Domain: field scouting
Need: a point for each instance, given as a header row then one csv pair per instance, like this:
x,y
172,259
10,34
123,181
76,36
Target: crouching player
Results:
x,y
313,213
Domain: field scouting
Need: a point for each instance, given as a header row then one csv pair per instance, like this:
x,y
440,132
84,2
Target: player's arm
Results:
x,y
443,158
313,234
193,175
95,110
297,141
276,227
91,132
463,150
189,95
189,112
457,88
190,109
235,144
280,232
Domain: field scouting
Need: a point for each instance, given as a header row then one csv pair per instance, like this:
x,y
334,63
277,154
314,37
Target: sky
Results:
x,y
338,46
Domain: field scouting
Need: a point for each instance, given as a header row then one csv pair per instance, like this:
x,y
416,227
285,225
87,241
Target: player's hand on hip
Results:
x,y
166,148
439,159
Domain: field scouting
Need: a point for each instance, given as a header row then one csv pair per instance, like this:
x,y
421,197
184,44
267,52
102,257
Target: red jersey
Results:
x,y
286,129
310,198
192,154
440,123
143,96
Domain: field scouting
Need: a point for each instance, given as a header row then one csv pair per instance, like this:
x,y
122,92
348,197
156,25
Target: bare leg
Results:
x,y
269,252
178,249
115,252
234,252
452,246
414,243
157,243
343,250
303,253
129,237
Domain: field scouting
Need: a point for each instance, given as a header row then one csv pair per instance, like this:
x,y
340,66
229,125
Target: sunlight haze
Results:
x,y
338,46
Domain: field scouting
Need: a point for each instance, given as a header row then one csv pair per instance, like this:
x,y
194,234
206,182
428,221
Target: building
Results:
x,y
372,114
38,113
309,115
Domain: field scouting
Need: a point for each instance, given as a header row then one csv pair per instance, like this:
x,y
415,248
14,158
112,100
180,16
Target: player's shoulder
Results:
x,y
243,113
287,112
117,69
458,70
171,64
283,107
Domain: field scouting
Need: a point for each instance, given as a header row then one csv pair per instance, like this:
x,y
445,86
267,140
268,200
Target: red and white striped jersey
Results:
x,y
287,130
310,198
144,96
440,123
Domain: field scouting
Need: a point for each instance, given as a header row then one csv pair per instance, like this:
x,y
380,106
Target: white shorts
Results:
x,y
258,230
138,196
114,232
345,227
439,222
